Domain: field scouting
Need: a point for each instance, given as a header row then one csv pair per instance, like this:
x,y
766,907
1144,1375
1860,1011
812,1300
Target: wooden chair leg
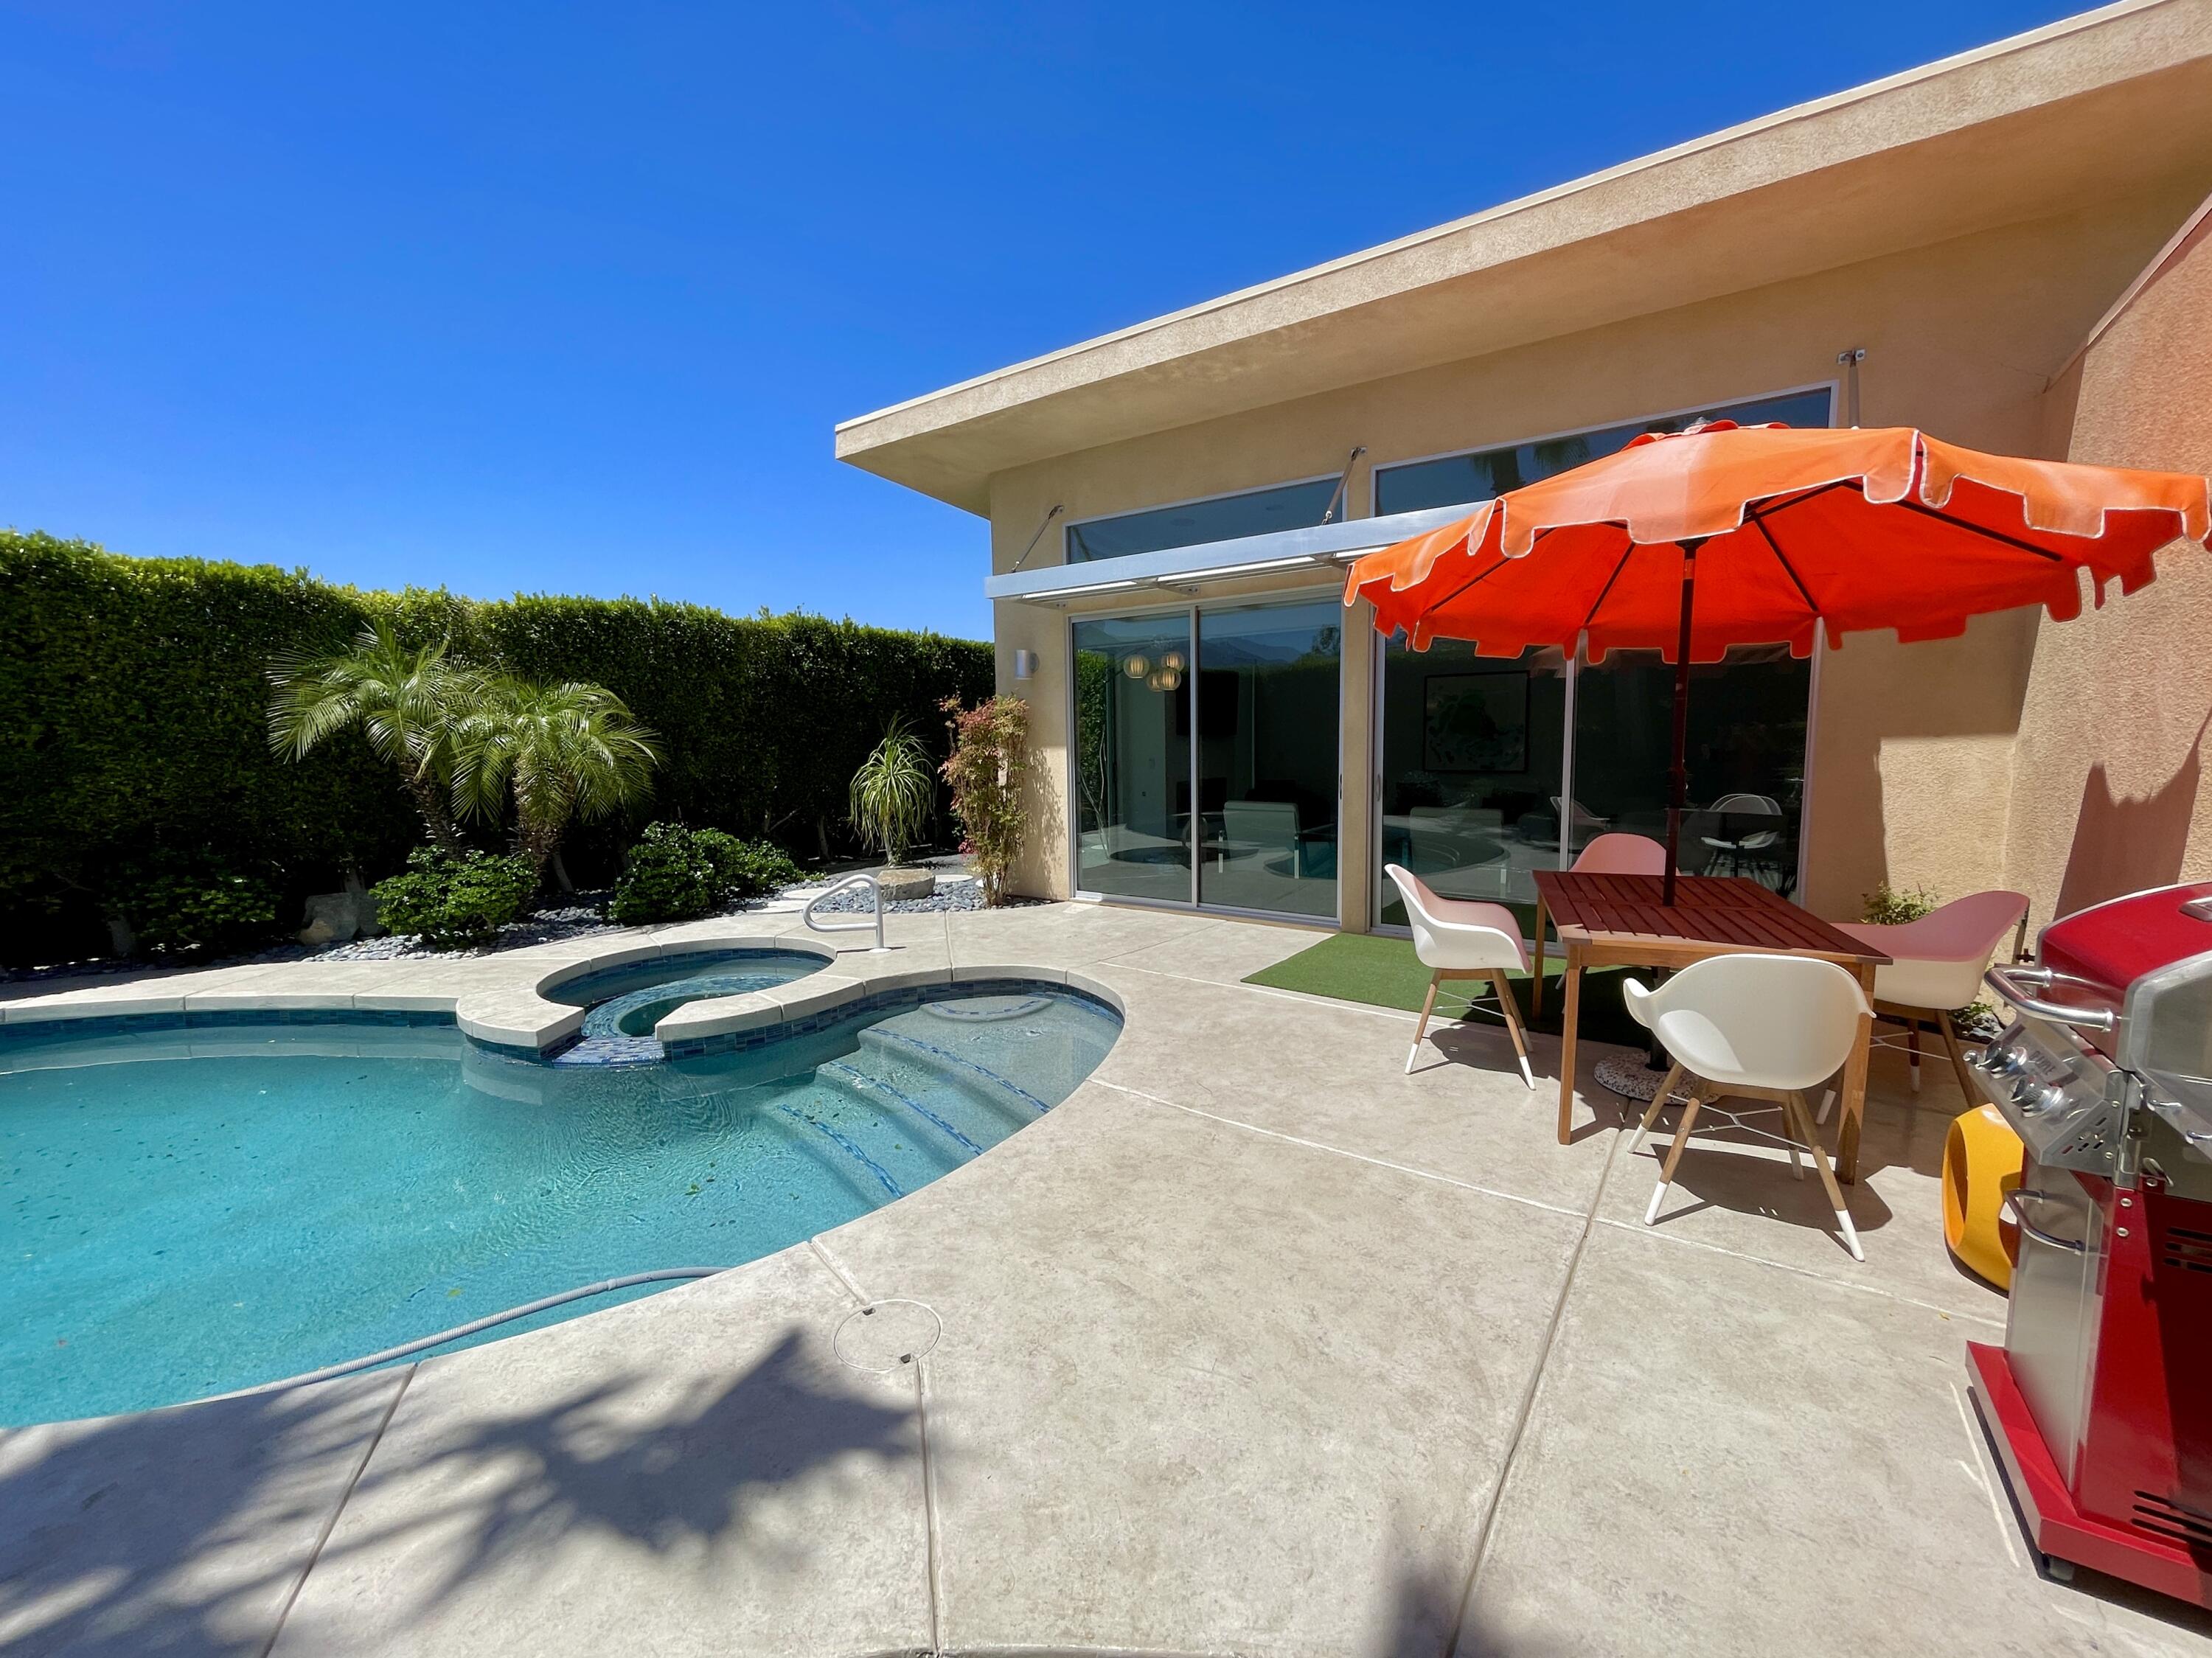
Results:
x,y
1511,1010
1428,1008
1789,1138
1658,1104
1958,1055
1536,988
1835,1192
1674,1156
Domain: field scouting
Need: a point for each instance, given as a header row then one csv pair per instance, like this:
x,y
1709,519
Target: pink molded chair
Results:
x,y
1935,965
1616,854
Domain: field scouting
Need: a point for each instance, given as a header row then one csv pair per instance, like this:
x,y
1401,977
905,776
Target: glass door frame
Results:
x,y
1378,894
1190,608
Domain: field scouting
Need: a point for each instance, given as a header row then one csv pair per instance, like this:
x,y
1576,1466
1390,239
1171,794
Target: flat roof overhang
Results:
x,y
2102,105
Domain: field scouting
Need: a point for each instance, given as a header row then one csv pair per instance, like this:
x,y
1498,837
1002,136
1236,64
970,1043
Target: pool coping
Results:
x,y
519,1020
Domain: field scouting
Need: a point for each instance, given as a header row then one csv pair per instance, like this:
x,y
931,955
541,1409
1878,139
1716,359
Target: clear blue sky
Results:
x,y
569,298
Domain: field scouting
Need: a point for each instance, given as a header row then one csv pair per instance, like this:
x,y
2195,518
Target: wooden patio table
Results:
x,y
1618,920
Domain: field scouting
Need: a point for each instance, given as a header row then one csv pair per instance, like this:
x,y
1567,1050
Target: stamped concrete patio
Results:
x,y
1255,1344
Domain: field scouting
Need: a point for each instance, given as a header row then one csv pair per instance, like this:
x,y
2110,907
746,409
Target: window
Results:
x,y
1225,518
1482,474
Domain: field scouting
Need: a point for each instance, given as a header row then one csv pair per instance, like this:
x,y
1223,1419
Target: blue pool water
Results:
x,y
186,1212
629,1000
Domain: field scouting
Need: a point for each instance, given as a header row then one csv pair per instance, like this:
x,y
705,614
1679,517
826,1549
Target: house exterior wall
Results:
x,y
1912,764
2106,794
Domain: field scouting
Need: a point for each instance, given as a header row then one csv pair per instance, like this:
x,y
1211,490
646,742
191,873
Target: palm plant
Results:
x,y
563,753
894,793
405,702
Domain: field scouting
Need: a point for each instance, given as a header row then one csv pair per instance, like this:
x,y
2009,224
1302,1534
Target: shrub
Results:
x,y
987,768
1888,905
751,869
454,900
188,913
675,874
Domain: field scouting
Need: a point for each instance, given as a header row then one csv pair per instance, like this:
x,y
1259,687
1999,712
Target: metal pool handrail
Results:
x,y
330,1371
848,884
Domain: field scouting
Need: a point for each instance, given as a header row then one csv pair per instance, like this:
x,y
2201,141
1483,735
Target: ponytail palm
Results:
x,y
563,753
894,793
405,702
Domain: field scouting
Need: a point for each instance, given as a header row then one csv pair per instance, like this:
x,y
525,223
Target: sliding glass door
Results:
x,y
1490,769
1471,750
1269,688
1744,750
1205,757
1132,757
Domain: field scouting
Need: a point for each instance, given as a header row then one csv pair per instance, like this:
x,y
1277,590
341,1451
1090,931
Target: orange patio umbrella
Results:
x,y
1687,542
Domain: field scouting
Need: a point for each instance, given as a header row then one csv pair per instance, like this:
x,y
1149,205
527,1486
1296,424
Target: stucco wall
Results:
x,y
2106,794
1913,747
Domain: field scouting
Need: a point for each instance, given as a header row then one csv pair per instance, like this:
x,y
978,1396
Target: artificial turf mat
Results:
x,y
1383,972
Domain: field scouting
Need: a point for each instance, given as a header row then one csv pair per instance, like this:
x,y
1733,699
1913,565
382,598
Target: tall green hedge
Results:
x,y
133,701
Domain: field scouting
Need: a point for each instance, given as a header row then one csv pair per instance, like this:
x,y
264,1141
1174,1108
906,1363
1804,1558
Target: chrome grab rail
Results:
x,y
2007,982
849,884
2010,1205
604,1286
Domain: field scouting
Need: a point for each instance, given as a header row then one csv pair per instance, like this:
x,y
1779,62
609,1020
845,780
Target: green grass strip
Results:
x,y
1383,972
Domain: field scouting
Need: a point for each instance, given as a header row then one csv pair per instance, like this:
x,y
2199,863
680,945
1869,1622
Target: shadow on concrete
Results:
x,y
183,1533
625,1457
2122,846
173,1533
1731,1166
1429,1616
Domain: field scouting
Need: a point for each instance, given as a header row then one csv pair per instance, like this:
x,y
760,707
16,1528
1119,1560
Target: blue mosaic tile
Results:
x,y
130,1024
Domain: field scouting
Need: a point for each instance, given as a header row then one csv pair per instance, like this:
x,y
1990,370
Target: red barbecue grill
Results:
x,y
2101,1400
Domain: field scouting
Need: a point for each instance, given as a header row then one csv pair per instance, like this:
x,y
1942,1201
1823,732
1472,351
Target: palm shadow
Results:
x,y
627,1458
185,1532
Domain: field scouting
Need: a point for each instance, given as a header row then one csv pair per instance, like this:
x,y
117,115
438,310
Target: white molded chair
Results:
x,y
1460,939
1617,854
1935,965
1753,1027
1745,841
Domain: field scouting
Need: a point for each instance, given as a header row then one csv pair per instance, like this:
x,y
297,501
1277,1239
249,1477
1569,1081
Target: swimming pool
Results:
x,y
186,1211
629,1000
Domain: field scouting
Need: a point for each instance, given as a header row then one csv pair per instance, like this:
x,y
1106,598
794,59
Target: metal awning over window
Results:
x,y
1318,548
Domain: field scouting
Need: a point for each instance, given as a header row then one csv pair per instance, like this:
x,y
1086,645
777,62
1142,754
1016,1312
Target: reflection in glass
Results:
x,y
1133,757
1471,752
1745,754
1267,720
1225,518
1482,474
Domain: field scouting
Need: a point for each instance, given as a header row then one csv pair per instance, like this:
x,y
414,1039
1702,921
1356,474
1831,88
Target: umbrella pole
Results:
x,y
1679,778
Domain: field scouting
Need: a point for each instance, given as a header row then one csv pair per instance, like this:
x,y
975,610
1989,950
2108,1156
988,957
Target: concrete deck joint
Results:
x,y
1528,1395
330,1523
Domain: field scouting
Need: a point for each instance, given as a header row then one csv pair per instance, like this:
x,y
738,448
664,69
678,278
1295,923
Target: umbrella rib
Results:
x,y
1790,569
1607,590
1431,609
1989,535
1752,515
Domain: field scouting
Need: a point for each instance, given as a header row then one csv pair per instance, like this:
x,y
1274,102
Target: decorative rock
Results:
x,y
332,918
901,885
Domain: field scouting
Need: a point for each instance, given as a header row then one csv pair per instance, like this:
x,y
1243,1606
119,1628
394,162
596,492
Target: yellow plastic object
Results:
x,y
1981,1162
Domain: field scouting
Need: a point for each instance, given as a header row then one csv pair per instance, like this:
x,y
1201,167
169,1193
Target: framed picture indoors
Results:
x,y
1475,722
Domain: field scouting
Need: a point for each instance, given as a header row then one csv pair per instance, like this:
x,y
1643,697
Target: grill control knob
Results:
x,y
2049,1098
